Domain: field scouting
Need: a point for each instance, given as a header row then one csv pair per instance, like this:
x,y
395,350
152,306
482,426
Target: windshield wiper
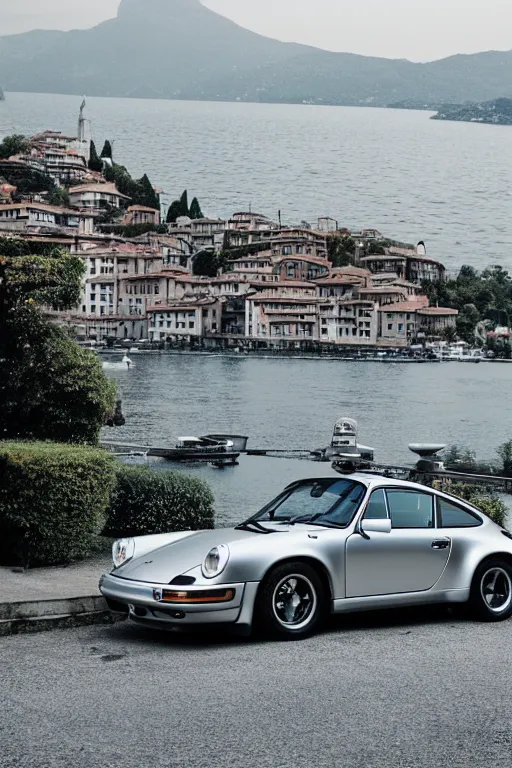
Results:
x,y
253,527
304,519
315,520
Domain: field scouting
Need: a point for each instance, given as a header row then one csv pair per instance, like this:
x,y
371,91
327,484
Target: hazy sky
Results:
x,y
419,30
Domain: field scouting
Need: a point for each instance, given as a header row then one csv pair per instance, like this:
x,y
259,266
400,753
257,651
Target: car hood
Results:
x,y
162,565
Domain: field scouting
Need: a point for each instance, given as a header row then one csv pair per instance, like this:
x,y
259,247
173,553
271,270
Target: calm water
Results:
x,y
412,178
294,404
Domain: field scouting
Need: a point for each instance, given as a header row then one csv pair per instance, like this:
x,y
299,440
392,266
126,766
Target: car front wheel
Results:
x,y
291,602
491,591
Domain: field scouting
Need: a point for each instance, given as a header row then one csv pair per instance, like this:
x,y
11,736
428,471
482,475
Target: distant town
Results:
x,y
184,276
495,112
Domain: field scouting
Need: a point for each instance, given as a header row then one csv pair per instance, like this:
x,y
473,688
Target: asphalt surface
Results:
x,y
403,690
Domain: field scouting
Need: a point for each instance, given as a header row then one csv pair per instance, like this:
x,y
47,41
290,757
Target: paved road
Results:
x,y
401,691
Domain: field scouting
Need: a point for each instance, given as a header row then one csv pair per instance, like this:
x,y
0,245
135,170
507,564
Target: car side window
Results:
x,y
376,509
453,516
409,509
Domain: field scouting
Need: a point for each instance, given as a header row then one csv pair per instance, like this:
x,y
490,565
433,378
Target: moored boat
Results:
x,y
199,449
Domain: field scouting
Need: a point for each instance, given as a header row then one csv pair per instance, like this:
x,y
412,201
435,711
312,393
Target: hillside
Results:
x,y
180,49
496,112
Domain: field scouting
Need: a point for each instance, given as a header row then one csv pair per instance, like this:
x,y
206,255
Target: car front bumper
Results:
x,y
137,598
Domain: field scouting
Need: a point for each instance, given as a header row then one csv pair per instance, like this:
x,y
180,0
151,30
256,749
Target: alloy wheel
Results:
x,y
294,601
496,589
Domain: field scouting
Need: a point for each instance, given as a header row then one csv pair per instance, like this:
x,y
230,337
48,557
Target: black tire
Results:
x,y
291,602
491,591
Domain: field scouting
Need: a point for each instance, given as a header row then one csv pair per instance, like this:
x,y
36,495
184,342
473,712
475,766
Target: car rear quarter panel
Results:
x,y
470,546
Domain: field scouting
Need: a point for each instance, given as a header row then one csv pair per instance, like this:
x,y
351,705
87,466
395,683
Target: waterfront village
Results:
x,y
270,285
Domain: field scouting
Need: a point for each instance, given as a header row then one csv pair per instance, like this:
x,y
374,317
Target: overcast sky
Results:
x,y
419,30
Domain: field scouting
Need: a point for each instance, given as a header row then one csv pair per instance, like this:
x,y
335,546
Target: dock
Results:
x,y
171,454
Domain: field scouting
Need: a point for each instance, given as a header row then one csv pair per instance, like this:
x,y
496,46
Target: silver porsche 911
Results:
x,y
326,545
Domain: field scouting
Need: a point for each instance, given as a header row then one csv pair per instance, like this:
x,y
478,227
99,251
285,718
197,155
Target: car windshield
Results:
x,y
325,501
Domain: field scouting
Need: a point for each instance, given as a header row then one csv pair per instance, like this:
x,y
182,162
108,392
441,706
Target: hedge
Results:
x,y
147,501
52,498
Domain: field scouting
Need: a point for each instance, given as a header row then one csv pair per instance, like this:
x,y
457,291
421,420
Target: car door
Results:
x,y
410,558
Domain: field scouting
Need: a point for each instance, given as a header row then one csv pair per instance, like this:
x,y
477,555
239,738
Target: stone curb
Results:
x,y
44,615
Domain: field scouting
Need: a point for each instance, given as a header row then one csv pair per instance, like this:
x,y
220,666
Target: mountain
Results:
x,y
180,49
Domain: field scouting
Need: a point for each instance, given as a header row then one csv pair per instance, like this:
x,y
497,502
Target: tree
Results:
x,y
459,458
184,210
49,387
173,212
107,150
59,197
145,194
13,145
95,163
195,209
466,322
505,453
449,334
205,264
340,250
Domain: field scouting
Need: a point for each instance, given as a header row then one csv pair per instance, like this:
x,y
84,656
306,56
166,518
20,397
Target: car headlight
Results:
x,y
122,551
215,561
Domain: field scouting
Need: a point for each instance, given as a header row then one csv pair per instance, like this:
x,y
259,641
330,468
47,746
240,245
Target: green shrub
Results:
x,y
147,501
52,498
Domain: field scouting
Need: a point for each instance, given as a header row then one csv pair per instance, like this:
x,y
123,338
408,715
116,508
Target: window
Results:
x,y
453,516
390,326
377,509
326,500
409,509
400,327
191,323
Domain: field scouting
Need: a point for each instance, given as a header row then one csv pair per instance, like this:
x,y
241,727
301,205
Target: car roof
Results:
x,y
370,480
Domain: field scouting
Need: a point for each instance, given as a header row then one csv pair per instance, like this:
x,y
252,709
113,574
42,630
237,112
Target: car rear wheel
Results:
x,y
291,602
491,591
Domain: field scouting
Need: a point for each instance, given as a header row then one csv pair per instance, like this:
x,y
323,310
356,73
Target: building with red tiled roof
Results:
x,y
96,196
185,319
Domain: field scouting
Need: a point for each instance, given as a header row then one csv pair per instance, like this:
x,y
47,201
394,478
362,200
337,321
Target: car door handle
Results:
x,y
440,544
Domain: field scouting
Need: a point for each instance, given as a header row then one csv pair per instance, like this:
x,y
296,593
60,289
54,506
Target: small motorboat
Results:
x,y
200,449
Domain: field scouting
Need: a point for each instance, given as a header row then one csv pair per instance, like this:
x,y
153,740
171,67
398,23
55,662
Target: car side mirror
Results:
x,y
376,526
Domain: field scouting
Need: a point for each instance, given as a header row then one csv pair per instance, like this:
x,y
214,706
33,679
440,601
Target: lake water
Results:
x,y
293,404
449,184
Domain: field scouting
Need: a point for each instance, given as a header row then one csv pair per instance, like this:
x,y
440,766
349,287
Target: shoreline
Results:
x,y
266,355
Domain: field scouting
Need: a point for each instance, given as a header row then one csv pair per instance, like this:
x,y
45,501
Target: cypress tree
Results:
x,y
95,163
173,212
146,195
195,209
107,150
184,204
